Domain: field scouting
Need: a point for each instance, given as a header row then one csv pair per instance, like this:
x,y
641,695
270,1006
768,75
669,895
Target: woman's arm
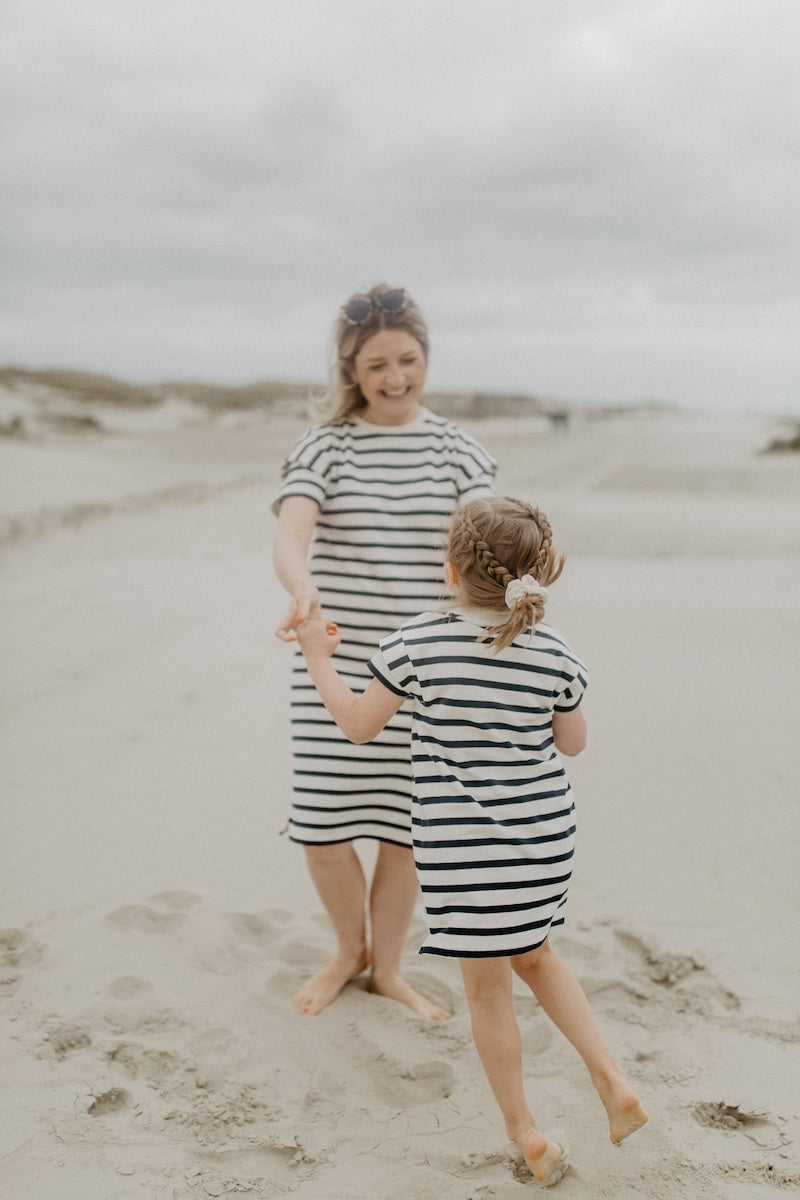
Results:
x,y
360,718
297,518
569,731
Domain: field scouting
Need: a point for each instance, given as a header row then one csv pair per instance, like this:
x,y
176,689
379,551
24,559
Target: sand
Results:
x,y
156,922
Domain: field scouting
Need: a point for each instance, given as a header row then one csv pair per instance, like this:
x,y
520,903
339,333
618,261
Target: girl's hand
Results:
x,y
318,638
305,605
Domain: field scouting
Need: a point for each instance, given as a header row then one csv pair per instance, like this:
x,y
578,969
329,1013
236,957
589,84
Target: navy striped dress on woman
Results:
x,y
386,494
493,820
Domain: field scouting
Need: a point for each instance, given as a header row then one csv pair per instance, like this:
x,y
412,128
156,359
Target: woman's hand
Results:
x,y
296,523
318,638
305,606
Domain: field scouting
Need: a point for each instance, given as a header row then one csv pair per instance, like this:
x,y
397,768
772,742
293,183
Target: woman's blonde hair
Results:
x,y
493,541
344,397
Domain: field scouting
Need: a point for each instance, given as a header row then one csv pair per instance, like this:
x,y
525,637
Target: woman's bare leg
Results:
x,y
392,900
564,1001
488,985
339,879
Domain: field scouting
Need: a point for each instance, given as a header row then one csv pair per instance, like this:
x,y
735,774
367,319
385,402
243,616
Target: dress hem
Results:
x,y
361,837
490,953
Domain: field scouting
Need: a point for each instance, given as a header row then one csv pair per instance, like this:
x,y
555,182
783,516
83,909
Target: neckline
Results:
x,y
419,419
477,616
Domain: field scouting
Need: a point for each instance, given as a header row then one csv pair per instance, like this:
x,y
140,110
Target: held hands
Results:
x,y
318,638
305,605
304,624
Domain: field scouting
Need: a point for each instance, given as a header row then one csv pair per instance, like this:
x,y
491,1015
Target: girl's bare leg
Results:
x,y
564,1001
339,879
392,899
488,985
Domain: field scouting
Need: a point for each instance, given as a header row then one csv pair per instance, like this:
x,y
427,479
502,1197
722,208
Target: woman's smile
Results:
x,y
390,372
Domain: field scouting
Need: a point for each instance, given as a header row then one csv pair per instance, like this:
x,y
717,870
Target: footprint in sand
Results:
x,y
758,1126
162,1070
63,1040
17,949
113,1101
140,918
9,982
281,986
138,1020
663,968
260,929
323,1101
391,1081
215,1042
128,987
176,901
683,979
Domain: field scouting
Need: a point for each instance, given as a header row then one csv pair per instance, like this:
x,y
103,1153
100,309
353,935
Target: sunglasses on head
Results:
x,y
357,310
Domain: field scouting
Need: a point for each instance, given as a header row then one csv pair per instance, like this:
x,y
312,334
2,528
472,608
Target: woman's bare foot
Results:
x,y
546,1161
396,988
325,986
625,1113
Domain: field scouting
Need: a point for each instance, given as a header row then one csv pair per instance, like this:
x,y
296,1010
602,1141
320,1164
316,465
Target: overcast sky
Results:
x,y
589,199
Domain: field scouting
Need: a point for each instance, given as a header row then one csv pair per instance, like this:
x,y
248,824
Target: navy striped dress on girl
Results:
x,y
493,820
386,495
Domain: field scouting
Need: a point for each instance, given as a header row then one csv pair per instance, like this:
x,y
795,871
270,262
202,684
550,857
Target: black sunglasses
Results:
x,y
357,310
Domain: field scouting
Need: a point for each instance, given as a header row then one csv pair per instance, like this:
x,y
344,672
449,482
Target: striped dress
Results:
x,y
386,495
493,820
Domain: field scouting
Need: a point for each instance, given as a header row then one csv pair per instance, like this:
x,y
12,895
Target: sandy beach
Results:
x,y
156,922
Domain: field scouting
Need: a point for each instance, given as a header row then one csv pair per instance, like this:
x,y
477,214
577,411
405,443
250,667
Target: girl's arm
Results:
x,y
569,731
360,718
297,518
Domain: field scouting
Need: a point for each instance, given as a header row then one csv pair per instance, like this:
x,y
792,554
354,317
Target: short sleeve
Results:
x,y
392,666
305,469
572,683
476,469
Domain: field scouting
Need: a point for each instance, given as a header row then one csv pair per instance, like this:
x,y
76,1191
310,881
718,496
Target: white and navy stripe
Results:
x,y
386,495
493,820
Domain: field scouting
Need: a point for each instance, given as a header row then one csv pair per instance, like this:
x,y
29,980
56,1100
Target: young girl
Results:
x,y
495,697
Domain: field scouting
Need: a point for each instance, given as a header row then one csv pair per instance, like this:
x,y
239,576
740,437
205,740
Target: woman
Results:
x,y
365,500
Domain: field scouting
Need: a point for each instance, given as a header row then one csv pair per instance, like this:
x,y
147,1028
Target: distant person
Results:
x,y
559,419
496,697
363,510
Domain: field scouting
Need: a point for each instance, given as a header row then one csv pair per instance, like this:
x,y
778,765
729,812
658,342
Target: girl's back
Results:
x,y
492,818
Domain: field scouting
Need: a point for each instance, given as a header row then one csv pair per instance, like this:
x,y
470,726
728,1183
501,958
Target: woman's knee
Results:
x,y
392,852
329,854
399,860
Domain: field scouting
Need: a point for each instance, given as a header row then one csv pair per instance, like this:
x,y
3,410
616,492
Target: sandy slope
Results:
x,y
157,923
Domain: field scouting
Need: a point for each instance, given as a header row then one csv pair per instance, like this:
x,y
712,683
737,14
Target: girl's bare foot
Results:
x,y
626,1121
396,988
546,1161
326,985
625,1113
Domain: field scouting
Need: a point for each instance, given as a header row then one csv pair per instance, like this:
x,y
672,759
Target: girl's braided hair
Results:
x,y
494,540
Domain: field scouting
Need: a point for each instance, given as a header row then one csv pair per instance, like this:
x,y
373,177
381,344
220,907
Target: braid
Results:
x,y
484,556
545,553
493,541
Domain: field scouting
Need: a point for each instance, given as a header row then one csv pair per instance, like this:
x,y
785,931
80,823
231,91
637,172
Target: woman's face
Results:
x,y
390,370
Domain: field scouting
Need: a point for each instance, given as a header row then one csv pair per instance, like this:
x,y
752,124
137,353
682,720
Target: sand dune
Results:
x,y
156,923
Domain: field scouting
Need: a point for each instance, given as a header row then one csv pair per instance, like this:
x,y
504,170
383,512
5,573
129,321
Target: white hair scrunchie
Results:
x,y
526,586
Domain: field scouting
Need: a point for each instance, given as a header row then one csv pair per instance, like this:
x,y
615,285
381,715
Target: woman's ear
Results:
x,y
450,575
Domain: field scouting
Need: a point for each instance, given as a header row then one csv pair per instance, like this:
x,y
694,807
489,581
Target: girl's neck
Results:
x,y
471,611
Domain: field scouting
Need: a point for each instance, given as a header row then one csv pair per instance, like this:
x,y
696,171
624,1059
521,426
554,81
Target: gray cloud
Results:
x,y
587,198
